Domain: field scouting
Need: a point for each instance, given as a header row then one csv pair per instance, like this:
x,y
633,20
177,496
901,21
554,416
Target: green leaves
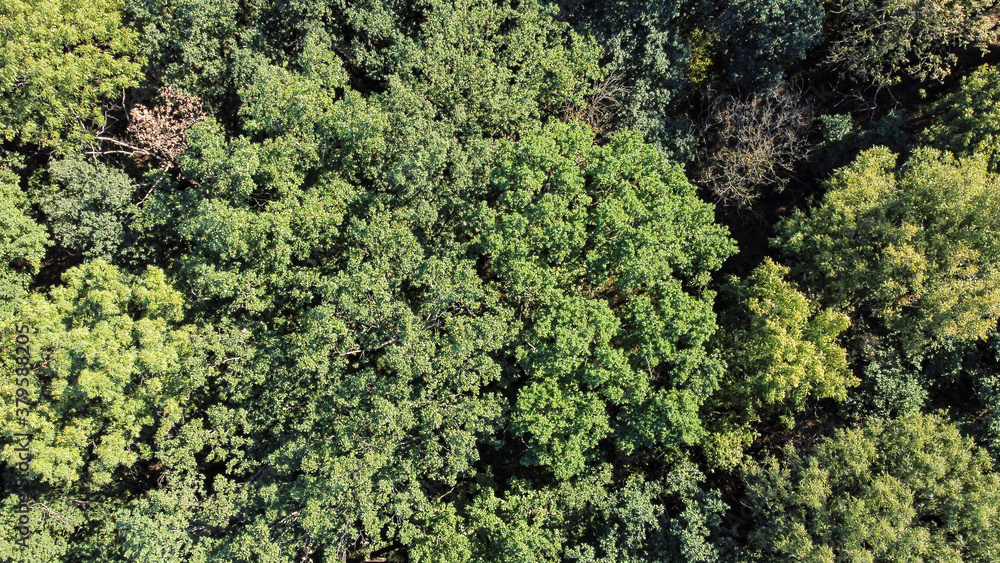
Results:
x,y
883,41
607,252
114,365
915,247
644,45
113,373
781,350
909,488
495,68
765,37
58,62
967,121
588,519
89,208
22,242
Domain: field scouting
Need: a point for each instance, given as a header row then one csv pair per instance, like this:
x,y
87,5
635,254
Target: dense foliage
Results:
x,y
60,64
915,248
491,280
967,121
884,41
909,489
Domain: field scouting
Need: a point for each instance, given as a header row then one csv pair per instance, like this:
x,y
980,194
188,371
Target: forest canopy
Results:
x,y
481,280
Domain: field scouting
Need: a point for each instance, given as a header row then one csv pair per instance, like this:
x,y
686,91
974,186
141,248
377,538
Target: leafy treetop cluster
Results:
x,y
386,281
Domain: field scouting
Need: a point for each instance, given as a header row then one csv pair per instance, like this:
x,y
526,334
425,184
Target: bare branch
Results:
x,y
751,144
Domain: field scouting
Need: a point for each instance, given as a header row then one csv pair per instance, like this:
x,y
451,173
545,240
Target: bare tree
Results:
x,y
159,133
751,144
600,111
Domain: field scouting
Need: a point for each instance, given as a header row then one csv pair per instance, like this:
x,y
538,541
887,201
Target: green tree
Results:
x,y
761,39
593,519
843,139
22,242
780,349
989,393
88,207
497,67
328,245
59,60
392,314
892,383
909,489
645,44
883,41
914,247
967,121
406,350
607,250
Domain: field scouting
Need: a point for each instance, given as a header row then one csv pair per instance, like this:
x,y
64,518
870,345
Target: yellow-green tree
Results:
x,y
967,121
110,366
59,60
915,247
781,350
911,489
22,242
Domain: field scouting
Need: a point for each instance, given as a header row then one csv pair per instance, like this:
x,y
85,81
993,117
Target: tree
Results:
x,y
158,133
910,488
22,242
112,371
892,382
780,349
198,47
914,247
645,44
113,367
884,41
989,393
497,68
761,39
399,313
591,518
748,145
59,61
967,121
607,251
844,138
88,207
